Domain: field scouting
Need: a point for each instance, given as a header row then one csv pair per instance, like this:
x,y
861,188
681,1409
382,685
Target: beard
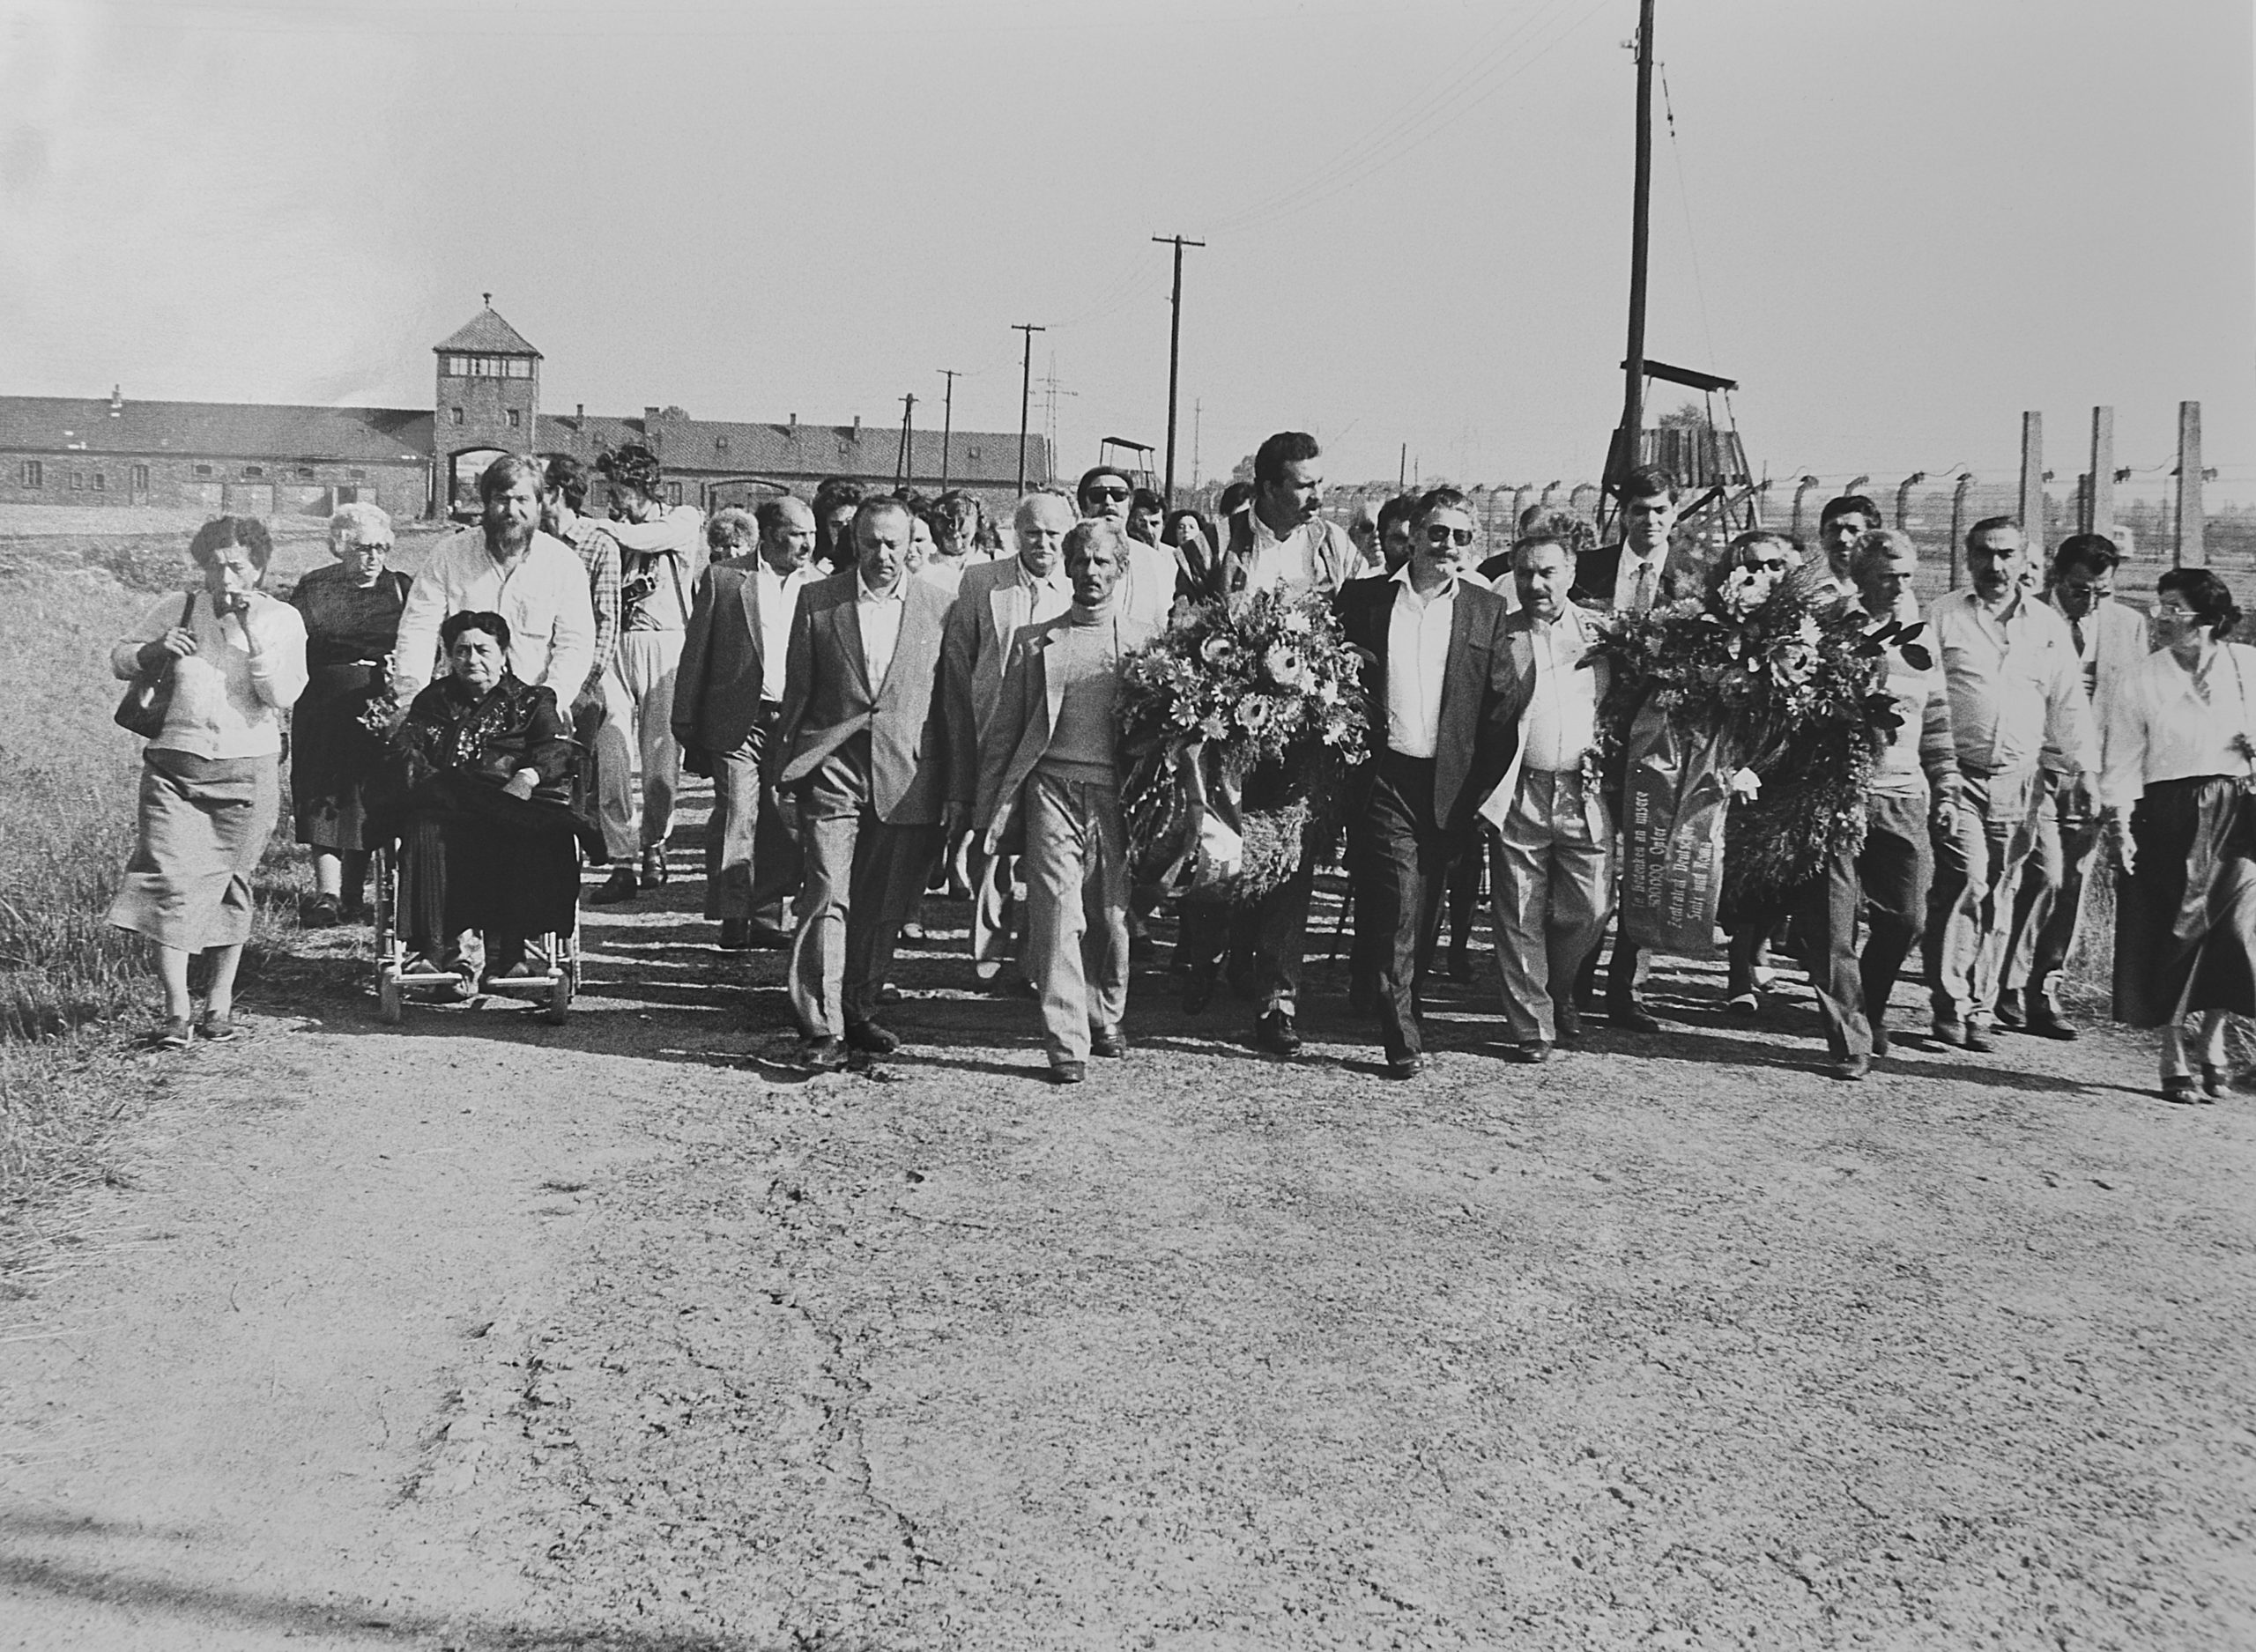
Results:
x,y
507,535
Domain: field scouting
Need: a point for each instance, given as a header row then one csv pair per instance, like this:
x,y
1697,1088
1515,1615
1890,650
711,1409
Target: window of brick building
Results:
x,y
35,473
203,469
674,492
516,419
305,473
140,478
77,481
359,476
458,415
101,483
254,469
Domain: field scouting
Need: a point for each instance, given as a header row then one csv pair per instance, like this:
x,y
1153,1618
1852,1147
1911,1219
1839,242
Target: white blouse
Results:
x,y
226,702
2161,727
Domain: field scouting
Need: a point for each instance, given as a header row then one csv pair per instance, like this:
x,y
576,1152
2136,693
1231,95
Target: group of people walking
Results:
x,y
884,694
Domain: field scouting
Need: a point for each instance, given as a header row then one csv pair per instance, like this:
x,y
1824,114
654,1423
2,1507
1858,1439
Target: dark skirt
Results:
x,y
332,757
473,857
2185,920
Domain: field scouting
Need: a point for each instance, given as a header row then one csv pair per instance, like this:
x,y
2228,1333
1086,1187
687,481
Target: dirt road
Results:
x,y
481,1334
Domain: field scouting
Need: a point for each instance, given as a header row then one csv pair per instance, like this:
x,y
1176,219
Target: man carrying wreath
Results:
x,y
1444,711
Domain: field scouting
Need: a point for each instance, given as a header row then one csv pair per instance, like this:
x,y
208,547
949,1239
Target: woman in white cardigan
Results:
x,y
209,783
2176,789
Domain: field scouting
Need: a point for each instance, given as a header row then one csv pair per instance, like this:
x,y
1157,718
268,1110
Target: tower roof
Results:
x,y
486,333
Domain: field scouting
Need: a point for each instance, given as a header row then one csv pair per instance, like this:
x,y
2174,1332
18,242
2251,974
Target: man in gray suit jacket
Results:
x,y
1047,776
727,694
861,752
993,603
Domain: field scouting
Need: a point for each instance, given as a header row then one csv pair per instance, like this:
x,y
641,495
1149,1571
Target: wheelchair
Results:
x,y
552,958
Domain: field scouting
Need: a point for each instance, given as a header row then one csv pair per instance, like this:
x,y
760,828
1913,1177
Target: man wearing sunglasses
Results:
x,y
1147,583
1444,705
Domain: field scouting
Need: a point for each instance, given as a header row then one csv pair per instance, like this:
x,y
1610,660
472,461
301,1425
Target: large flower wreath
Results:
x,y
1249,707
1798,692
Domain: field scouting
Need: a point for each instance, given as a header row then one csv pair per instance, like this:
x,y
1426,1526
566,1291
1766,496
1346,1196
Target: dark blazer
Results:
x,y
1597,570
829,698
723,670
1483,694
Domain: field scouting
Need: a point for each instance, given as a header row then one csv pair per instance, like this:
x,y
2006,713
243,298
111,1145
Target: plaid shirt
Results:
x,y
600,552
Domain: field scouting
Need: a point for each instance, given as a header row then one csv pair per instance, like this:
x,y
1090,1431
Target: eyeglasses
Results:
x,y
384,546
1439,533
1109,495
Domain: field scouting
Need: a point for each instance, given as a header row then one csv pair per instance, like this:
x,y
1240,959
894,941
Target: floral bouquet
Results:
x,y
1249,707
1795,692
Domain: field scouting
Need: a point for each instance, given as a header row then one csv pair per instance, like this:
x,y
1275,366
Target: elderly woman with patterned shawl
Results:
x,y
486,827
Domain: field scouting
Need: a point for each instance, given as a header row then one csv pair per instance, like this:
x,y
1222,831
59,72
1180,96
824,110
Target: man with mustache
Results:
x,y
2022,723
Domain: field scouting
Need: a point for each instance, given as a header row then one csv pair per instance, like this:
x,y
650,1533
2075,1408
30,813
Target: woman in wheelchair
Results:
x,y
486,831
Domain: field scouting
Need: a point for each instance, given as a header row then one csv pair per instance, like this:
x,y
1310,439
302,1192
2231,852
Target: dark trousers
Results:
x,y
1405,860
1271,932
1885,885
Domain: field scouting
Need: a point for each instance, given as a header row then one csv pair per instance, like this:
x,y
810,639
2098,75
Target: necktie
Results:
x,y
1642,598
2075,632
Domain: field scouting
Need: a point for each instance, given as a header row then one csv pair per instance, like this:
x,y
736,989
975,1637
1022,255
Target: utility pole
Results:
x,y
1174,353
1402,471
2191,550
2032,481
904,468
1026,391
948,424
1628,440
1198,420
1957,518
2099,498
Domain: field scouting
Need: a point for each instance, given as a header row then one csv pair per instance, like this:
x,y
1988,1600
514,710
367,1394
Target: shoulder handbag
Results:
x,y
149,696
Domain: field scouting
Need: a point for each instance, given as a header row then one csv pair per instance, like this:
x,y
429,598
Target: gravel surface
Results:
x,y
480,1333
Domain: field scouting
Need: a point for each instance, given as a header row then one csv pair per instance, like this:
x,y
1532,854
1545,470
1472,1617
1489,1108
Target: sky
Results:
x,y
1898,225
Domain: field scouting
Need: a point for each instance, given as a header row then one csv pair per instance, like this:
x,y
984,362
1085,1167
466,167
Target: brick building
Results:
x,y
262,460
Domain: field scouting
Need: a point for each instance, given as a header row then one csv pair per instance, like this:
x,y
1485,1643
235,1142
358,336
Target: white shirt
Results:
x,y
1040,599
2160,728
1562,720
543,597
1625,579
227,701
673,542
778,596
1417,659
1289,564
2017,687
880,613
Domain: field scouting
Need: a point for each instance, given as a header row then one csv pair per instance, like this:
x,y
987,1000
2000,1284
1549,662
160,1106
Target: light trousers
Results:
x,y
1554,884
638,728
752,851
1978,864
1077,885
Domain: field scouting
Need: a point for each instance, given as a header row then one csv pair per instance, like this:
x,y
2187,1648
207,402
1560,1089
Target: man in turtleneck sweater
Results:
x,y
1047,775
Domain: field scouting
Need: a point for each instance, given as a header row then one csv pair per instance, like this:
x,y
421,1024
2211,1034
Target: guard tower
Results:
x,y
1716,495
487,402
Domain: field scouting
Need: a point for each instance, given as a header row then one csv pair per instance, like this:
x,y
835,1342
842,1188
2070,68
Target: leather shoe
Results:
x,y
1880,1040
2010,1010
736,935
622,885
1067,1072
1108,1040
1632,1017
1851,1070
1408,1066
868,1035
2046,1020
1197,993
1274,1033
825,1055
767,938
1533,1054
1981,1038
1950,1031
1567,1024
654,867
